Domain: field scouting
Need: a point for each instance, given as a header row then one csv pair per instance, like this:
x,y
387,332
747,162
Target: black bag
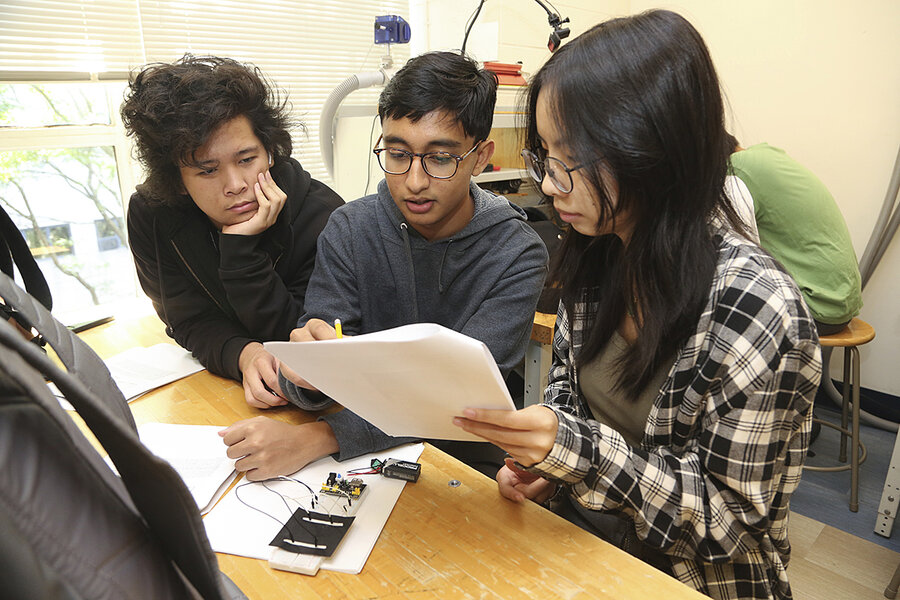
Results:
x,y
70,528
14,251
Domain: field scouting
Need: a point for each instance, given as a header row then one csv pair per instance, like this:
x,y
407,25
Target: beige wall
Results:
x,y
820,78
506,30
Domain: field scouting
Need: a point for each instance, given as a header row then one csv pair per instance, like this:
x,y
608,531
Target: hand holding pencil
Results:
x,y
315,330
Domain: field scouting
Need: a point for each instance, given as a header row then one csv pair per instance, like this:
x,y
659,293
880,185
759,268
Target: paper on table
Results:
x,y
139,370
235,528
407,381
197,453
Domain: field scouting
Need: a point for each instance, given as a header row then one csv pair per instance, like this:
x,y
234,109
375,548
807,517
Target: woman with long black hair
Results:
x,y
679,404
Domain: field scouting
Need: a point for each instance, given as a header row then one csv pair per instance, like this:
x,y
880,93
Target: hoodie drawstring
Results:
x,y
412,270
441,267
162,284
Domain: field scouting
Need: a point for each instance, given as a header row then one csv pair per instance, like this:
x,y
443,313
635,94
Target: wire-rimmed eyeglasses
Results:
x,y
560,175
439,165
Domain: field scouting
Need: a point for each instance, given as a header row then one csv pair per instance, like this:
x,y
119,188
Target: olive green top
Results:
x,y
608,403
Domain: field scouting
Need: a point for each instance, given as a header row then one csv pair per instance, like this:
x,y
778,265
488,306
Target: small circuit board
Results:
x,y
327,528
336,485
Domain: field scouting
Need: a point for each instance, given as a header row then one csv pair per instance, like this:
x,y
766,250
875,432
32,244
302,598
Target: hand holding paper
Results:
x,y
407,381
315,330
528,434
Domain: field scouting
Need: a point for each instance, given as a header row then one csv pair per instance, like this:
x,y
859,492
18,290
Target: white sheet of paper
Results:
x,y
197,453
407,381
139,370
235,528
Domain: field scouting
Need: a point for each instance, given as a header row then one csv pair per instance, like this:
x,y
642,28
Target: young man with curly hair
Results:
x,y
224,228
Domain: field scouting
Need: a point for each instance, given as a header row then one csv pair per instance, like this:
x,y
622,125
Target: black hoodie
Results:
x,y
218,292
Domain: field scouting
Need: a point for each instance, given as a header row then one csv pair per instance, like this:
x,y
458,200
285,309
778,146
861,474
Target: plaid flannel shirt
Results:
x,y
725,441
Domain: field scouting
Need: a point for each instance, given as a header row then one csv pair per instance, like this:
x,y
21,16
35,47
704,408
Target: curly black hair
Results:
x,y
171,109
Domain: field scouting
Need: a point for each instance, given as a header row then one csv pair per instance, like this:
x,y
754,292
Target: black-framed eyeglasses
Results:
x,y
439,165
560,175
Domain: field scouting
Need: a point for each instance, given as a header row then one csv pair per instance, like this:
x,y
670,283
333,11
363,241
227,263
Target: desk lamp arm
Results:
x,y
559,32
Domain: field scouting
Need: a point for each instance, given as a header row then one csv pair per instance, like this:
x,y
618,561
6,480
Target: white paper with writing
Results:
x,y
407,381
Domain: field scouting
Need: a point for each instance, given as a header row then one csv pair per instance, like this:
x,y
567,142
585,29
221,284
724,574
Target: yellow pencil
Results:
x,y
337,328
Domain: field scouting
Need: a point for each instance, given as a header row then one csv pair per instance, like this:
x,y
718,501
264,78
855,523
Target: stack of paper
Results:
x,y
140,370
197,453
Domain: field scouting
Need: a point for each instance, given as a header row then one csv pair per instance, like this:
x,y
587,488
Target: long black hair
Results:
x,y
638,97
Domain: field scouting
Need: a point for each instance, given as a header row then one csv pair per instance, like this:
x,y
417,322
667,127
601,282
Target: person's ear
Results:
x,y
485,152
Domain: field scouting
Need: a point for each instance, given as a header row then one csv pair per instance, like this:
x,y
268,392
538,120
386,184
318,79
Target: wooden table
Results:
x,y
439,542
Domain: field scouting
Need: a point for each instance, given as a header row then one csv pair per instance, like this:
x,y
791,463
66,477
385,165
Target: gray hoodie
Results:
x,y
374,272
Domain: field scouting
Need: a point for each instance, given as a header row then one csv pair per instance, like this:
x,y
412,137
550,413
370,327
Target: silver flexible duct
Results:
x,y
882,234
326,120
883,231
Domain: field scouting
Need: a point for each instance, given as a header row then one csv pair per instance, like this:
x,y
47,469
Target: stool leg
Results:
x,y
845,405
891,590
854,442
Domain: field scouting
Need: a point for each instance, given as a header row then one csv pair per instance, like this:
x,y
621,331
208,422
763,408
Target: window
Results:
x,y
110,233
306,48
44,241
65,164
53,104
64,190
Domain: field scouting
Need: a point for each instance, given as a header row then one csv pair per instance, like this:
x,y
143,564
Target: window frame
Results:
x,y
62,136
82,136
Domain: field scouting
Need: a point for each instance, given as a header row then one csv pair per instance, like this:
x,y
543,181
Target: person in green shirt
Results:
x,y
799,223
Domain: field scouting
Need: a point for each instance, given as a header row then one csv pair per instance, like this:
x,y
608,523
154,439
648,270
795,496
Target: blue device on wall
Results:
x,y
391,29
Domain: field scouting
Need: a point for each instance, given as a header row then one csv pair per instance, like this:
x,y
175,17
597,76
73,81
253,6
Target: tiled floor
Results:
x,y
836,553
830,564
826,496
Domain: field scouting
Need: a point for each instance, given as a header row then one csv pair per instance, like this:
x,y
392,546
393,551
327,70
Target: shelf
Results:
x,y
501,175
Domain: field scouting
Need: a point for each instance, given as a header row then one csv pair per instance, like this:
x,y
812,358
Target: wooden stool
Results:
x,y
891,590
855,334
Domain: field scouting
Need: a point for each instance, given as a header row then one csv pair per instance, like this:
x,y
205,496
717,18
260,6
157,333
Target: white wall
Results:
x,y
819,78
506,30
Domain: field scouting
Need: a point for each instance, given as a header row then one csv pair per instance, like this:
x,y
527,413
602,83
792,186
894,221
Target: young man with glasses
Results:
x,y
430,246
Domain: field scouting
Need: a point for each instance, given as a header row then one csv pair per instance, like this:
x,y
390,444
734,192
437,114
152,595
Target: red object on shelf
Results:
x,y
507,74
